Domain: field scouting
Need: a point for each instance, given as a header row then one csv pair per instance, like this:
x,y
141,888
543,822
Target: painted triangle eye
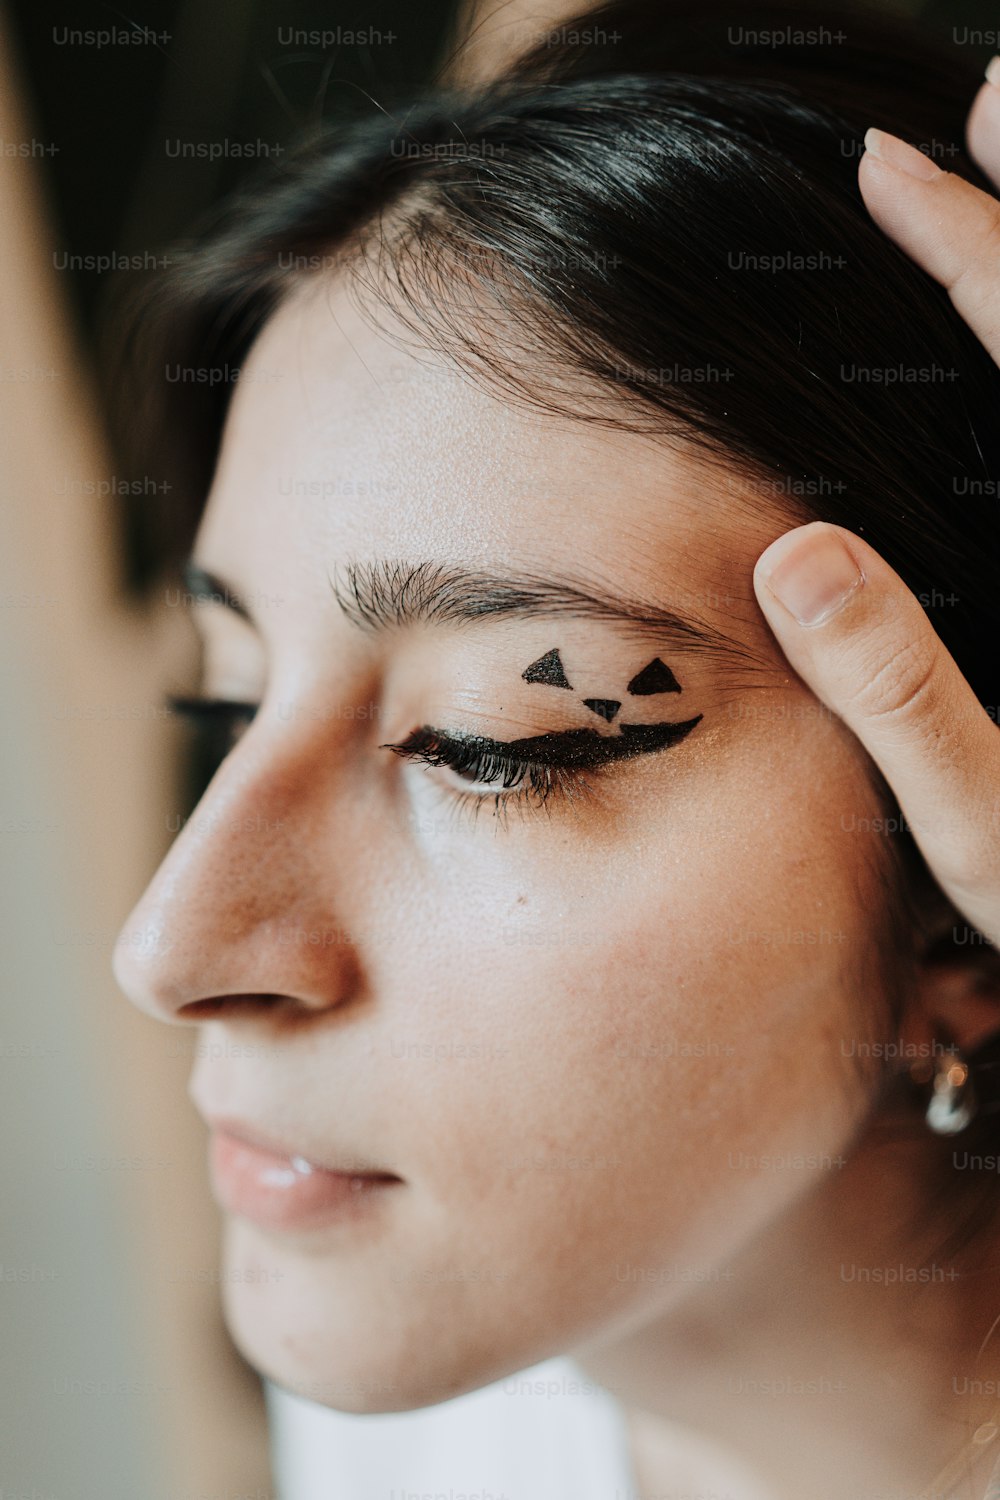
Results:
x,y
548,669
656,677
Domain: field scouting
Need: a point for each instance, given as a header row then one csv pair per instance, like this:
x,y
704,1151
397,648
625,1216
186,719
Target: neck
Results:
x,y
841,1355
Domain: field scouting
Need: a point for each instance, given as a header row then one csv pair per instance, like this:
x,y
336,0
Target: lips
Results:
x,y
288,1150
273,1184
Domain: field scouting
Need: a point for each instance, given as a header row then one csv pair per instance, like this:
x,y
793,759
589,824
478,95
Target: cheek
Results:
x,y
632,1027
600,1069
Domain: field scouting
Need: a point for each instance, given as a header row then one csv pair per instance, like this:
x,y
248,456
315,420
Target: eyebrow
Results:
x,y
383,594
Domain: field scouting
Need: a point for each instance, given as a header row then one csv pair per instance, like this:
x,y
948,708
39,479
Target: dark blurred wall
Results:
x,y
235,78
142,119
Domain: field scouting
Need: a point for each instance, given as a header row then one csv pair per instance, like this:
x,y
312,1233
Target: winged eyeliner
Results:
x,y
576,747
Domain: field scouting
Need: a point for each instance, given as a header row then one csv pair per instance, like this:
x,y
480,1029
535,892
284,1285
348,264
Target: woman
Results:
x,y
574,976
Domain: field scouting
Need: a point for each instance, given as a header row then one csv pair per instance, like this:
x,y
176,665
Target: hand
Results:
x,y
846,621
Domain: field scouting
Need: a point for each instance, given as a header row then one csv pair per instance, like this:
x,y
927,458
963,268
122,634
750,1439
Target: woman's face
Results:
x,y
568,1027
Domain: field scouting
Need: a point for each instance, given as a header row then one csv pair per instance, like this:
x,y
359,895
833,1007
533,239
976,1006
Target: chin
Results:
x,y
321,1326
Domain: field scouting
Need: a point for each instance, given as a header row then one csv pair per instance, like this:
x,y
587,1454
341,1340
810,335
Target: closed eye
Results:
x,y
538,766
532,769
219,722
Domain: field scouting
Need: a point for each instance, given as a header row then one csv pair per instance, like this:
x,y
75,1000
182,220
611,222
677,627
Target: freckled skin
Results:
x,y
551,957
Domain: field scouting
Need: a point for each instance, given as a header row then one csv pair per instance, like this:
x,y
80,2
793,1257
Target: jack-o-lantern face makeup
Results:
x,y
538,763
636,739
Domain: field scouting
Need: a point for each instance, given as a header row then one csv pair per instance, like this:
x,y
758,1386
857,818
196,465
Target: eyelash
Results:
x,y
482,761
524,783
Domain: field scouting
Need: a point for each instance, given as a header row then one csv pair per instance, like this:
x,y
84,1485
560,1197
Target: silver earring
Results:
x,y
953,1101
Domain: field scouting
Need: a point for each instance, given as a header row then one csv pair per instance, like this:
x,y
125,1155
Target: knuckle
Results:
x,y
902,685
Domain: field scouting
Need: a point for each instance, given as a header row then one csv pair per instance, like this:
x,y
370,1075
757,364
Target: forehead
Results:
x,y
348,439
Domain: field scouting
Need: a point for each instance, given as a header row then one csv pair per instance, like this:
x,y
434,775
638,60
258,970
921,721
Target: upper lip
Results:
x,y
253,1136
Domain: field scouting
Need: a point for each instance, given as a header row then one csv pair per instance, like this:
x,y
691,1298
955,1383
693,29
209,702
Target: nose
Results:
x,y
243,915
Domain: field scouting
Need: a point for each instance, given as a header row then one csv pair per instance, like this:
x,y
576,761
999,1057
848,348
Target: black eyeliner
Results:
x,y
567,748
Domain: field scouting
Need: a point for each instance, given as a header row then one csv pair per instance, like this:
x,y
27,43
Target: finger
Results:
x,y
982,132
860,640
945,224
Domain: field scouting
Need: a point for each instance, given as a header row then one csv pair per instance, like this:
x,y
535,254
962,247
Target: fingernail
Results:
x,y
993,72
889,148
813,575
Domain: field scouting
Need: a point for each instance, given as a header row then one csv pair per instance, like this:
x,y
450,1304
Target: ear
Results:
x,y
957,994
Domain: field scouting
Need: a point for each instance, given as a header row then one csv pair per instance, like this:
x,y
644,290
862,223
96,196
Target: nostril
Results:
x,y
232,1007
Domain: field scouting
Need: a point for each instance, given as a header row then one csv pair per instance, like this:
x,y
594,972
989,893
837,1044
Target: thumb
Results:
x,y
859,638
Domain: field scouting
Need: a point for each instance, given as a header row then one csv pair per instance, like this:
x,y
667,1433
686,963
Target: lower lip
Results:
x,y
284,1192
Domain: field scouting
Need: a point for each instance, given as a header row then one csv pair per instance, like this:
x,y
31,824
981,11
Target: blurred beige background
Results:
x,y
116,1377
